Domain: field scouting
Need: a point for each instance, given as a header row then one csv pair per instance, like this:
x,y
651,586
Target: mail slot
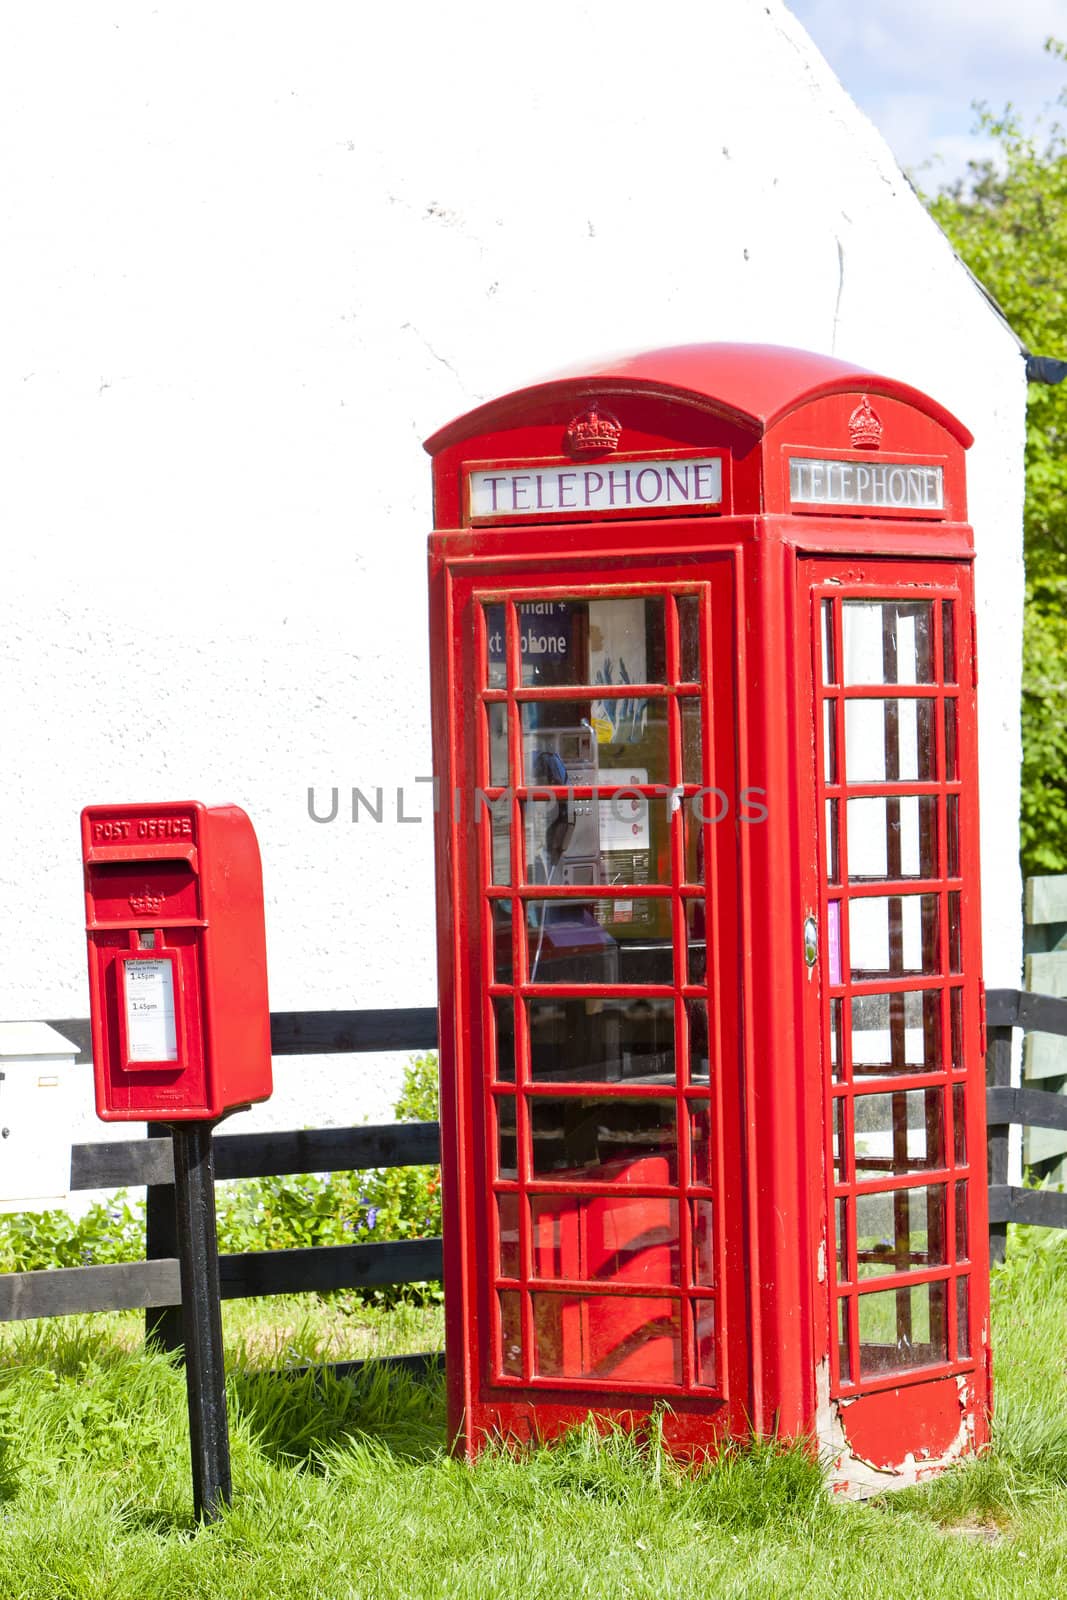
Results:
x,y
177,961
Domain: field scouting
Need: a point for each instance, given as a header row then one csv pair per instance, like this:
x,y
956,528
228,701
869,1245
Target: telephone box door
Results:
x,y
595,829
902,1053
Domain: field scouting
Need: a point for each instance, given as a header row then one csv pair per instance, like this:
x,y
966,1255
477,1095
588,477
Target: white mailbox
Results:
x,y
36,1115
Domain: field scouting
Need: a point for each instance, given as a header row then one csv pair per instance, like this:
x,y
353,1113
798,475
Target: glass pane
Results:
x,y
963,1321
948,641
609,743
888,641
898,1032
501,953
833,868
841,1208
702,1155
900,1232
497,716
626,641
898,1133
843,1341
952,834
696,936
828,673
703,1270
833,939
582,1139
959,1124
691,711
601,1041
689,637
497,652
893,935
704,1341
613,1337
837,1057
889,741
510,1363
507,1210
629,1239
596,941
504,1015
955,952
902,1328
839,1141
693,852
963,1243
581,641
499,814
570,840
699,1045
952,764
506,1142
892,837
955,1007
829,740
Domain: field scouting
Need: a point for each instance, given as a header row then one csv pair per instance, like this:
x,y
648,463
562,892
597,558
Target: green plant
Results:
x,y
379,1205
275,1213
33,1241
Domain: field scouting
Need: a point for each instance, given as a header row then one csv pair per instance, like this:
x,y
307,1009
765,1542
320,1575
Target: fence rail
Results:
x,y
1007,1107
153,1284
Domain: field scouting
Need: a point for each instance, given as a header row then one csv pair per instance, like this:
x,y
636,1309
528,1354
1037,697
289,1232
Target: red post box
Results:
x,y
177,961
707,840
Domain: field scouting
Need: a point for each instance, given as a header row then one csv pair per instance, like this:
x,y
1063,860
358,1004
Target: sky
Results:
x,y
916,67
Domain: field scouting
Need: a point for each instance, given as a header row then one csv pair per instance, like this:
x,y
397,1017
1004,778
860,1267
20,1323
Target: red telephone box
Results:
x,y
707,860
177,961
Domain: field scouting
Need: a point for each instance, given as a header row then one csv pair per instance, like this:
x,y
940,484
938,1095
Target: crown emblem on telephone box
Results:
x,y
865,427
593,433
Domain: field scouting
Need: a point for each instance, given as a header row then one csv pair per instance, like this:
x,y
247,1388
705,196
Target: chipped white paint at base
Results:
x,y
849,1476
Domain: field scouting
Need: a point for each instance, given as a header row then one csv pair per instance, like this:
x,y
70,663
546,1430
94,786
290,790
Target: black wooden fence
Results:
x,y
154,1284
1007,1009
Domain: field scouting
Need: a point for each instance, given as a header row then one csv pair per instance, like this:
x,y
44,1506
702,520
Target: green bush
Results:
x,y
33,1241
261,1213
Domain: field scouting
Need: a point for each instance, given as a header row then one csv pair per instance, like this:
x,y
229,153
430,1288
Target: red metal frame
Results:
x,y
957,972
762,569
470,598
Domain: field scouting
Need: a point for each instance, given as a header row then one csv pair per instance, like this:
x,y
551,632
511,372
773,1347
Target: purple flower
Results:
x,y
372,1218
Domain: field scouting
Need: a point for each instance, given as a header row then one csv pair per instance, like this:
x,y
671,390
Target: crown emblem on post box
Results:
x,y
593,433
865,427
146,902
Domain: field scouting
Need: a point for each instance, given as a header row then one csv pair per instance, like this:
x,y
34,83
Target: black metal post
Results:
x,y
205,1375
162,1324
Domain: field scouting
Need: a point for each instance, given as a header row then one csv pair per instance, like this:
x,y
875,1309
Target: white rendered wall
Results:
x,y
253,255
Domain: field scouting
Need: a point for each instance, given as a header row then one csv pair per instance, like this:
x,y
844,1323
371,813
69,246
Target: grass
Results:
x,y
345,1489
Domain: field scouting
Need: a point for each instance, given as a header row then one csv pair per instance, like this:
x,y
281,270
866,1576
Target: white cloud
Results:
x,y
917,66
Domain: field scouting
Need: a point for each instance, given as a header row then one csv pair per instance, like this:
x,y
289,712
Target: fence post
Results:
x,y
162,1324
998,1076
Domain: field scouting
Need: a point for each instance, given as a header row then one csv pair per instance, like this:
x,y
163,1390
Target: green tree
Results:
x,y
1008,220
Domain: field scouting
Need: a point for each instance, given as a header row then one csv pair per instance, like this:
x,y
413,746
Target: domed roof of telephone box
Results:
x,y
753,385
